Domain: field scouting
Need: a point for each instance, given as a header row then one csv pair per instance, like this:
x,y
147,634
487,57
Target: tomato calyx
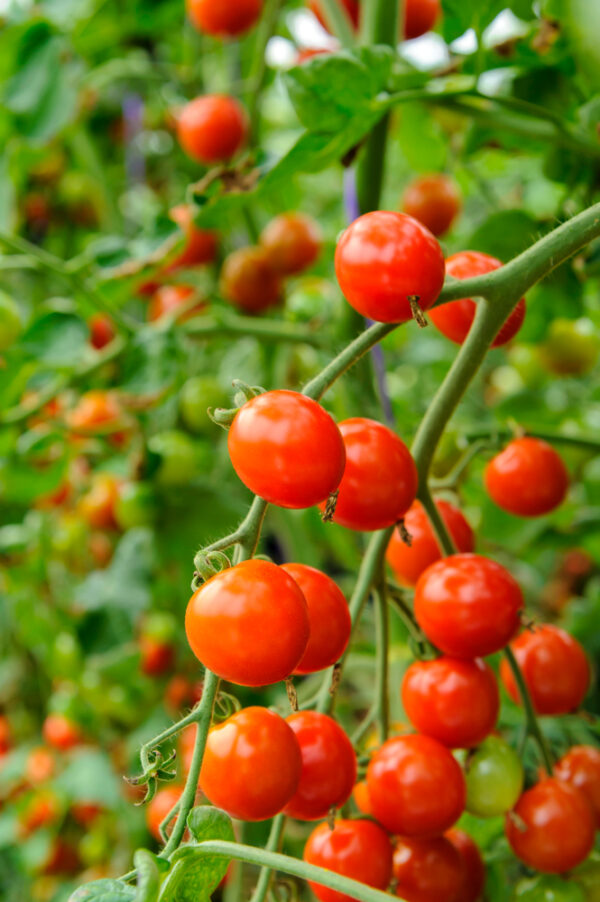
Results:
x,y
238,179
224,416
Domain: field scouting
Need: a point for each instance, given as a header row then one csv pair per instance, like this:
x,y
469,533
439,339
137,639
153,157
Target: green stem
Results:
x,y
533,726
251,527
254,327
408,618
382,647
317,387
451,480
188,796
338,20
273,843
489,436
278,862
438,525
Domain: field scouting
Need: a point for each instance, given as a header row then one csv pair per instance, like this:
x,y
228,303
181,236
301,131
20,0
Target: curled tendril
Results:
x,y
222,416
244,392
225,706
207,564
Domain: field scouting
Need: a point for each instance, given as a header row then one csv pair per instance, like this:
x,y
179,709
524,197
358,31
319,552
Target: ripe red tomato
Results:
x,y
328,766
433,200
156,657
553,830
249,624
581,768
181,692
157,809
252,764
352,7
473,867
169,298
40,765
222,18
455,318
383,259
416,786
292,242
468,605
380,478
85,813
212,128
94,411
97,506
357,849
361,797
287,449
328,617
427,870
554,666
5,734
200,244
41,810
420,16
452,700
408,562
61,732
249,281
102,330
528,478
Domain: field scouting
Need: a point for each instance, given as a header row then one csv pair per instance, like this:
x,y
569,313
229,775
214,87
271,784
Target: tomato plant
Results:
x,y
358,849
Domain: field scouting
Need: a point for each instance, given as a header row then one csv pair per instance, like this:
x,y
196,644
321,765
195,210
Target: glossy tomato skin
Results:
x,y
358,849
167,300
473,871
352,7
362,800
555,668
61,732
213,128
328,766
252,764
427,870
554,827
286,448
420,16
433,200
581,768
159,807
494,776
292,242
468,605
455,318
408,562
380,478
200,244
249,281
102,330
528,478
453,700
416,787
382,259
222,18
328,616
249,624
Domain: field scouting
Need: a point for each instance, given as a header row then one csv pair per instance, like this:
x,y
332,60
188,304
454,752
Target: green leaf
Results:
x,y
127,582
505,234
103,891
57,339
148,875
89,777
152,362
459,15
195,875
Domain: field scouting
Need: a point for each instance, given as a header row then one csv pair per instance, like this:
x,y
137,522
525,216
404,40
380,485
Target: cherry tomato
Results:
x,y
416,786
427,870
420,16
40,765
135,505
249,280
61,732
181,692
385,258
528,478
494,776
97,506
168,299
455,318
433,200
197,395
352,8
361,797
85,813
571,347
252,764
10,321
328,617
62,858
157,809
157,657
553,830
292,242
473,871
5,734
212,128
380,478
581,768
554,666
408,562
95,411
200,244
468,605
102,330
41,810
452,700
357,849
222,18
178,457
548,889
328,766
287,449
249,624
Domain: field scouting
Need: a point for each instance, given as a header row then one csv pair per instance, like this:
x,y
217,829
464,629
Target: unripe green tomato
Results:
x,y
93,847
494,776
547,889
160,625
135,505
588,878
525,360
65,657
312,298
10,321
178,458
571,347
68,536
197,395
